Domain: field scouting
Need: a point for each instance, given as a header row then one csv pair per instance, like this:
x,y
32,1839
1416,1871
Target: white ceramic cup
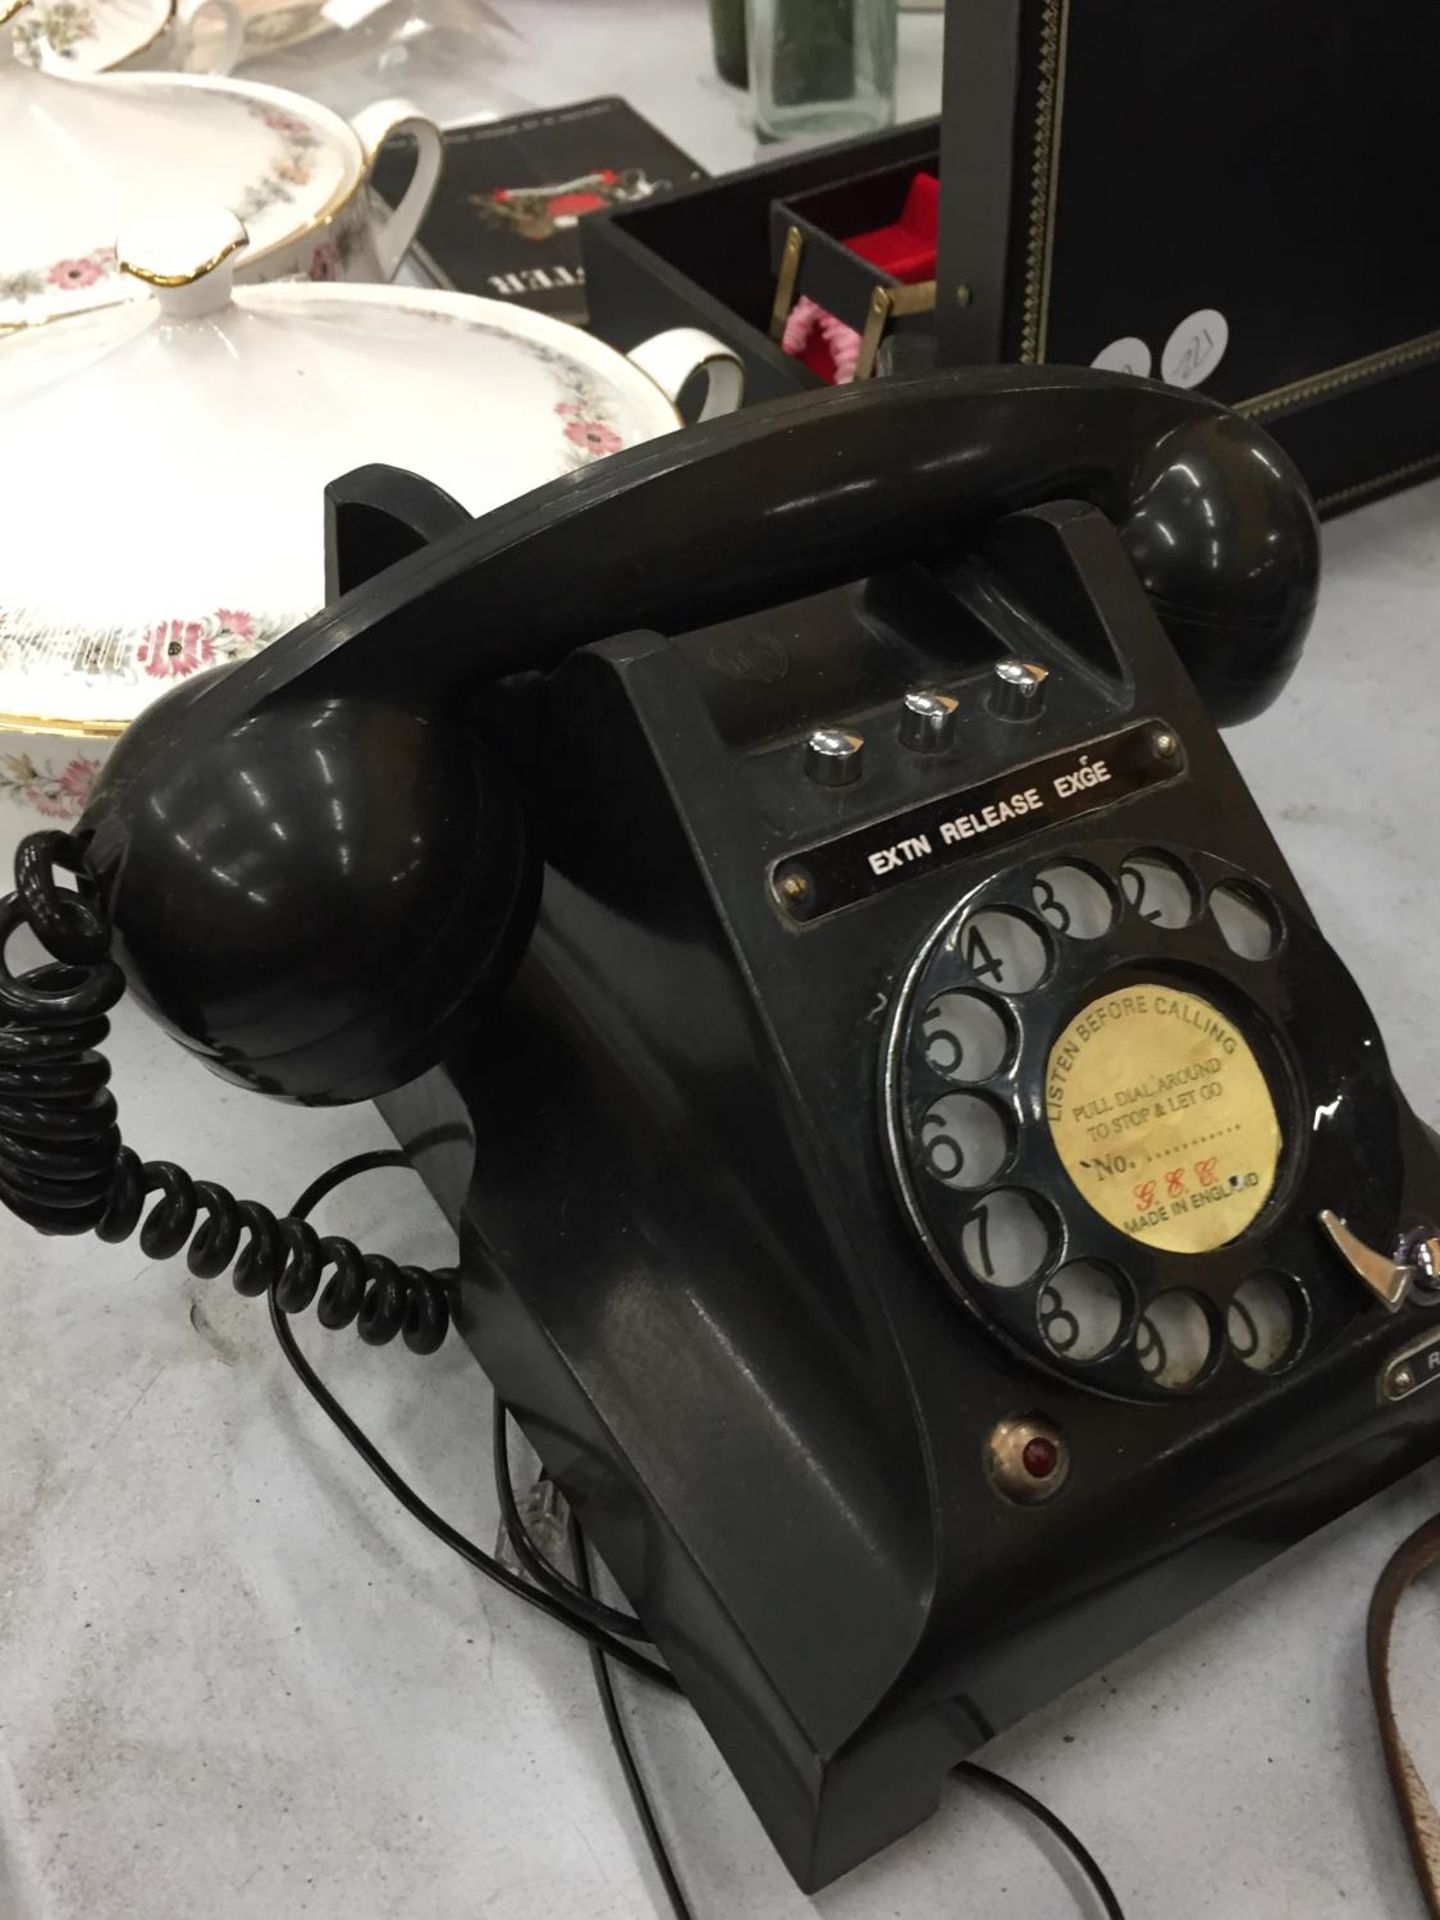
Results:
x,y
201,36
377,125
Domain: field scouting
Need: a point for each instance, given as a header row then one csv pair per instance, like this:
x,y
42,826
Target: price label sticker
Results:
x,y
1163,1117
1130,355
1195,349
349,13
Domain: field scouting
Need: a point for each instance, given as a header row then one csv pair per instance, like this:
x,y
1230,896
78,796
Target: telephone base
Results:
x,y
827,1806
680,1172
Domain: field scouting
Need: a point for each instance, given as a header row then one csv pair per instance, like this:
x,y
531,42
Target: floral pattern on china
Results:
x,y
68,275
59,29
101,36
97,154
173,648
166,649
590,438
291,168
285,172
82,651
587,422
58,788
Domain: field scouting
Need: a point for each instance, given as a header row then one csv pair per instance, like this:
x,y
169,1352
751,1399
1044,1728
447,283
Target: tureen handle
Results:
x,y
377,125
217,55
672,357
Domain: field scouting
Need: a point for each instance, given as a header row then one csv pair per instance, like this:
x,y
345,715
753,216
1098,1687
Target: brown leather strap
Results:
x,y
1417,1809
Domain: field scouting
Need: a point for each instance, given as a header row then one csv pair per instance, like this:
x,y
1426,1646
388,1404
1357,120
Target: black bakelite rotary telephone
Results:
x,y
926,1186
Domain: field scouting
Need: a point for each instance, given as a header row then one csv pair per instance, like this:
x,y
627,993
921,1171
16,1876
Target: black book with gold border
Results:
x,y
1226,196
506,218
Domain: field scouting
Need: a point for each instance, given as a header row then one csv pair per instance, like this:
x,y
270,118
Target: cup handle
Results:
x,y
670,358
377,125
222,53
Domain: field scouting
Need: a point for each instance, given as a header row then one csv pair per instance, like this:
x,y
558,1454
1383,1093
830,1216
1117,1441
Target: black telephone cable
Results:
x,y
580,1599
556,1607
625,1753
65,1170
559,1604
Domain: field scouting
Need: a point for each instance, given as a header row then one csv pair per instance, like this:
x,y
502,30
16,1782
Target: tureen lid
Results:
x,y
161,494
88,35
83,155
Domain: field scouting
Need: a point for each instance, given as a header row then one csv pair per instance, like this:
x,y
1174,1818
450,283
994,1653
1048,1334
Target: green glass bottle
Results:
x,y
727,24
821,69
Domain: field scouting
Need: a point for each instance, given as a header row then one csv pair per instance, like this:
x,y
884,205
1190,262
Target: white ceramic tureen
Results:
x,y
82,156
91,36
161,494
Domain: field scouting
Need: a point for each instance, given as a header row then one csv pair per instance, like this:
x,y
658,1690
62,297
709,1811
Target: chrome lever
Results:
x,y
1387,1279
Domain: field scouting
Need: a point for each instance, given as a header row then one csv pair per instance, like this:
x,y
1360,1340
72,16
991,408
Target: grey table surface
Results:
x,y
237,1681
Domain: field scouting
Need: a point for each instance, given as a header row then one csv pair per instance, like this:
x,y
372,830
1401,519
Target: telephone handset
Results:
x,y
751,512
933,1197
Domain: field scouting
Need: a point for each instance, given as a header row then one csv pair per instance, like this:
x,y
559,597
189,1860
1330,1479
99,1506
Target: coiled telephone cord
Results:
x,y
65,1170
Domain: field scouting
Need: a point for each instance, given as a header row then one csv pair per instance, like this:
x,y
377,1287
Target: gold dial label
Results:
x,y
1163,1118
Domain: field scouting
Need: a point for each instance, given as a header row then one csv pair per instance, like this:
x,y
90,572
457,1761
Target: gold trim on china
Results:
x,y
7,327
314,110
187,279
338,203
703,365
340,200
8,13
646,374
66,729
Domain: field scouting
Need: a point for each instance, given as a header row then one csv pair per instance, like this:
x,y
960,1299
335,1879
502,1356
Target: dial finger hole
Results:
x,y
1008,1239
1246,919
965,1036
1003,951
1083,1310
1173,1339
1159,889
1265,1321
1073,901
963,1141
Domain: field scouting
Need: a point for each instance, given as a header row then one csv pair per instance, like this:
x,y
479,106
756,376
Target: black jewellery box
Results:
x,y
1237,197
713,256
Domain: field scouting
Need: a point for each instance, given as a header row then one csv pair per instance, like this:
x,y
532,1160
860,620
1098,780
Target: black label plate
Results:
x,y
1063,786
1413,1367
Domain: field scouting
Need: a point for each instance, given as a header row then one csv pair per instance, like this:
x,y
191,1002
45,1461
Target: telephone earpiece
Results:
x,y
318,865
324,893
1221,531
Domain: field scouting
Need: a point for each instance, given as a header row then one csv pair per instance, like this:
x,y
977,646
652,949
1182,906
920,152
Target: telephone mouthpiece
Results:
x,y
319,902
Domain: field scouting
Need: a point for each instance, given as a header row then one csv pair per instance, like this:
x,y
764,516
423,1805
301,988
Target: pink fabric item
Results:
x,y
826,345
